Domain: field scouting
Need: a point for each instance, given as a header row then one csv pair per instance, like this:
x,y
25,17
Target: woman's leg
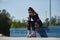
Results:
x,y
40,30
28,29
33,25
33,34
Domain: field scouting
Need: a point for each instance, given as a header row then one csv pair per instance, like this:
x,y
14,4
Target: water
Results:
x,y
22,32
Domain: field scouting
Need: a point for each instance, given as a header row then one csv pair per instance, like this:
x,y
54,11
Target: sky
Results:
x,y
19,8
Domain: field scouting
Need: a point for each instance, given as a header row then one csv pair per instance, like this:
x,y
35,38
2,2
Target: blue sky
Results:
x,y
18,8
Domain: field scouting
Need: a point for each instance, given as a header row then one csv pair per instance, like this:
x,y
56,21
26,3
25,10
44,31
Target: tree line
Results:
x,y
6,20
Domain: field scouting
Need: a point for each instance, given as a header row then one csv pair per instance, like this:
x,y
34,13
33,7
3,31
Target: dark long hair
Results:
x,y
30,8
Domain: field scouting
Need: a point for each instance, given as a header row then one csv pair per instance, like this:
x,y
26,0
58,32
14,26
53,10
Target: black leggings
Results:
x,y
32,24
39,29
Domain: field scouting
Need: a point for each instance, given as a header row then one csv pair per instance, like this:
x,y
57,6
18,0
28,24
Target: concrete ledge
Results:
x,y
25,38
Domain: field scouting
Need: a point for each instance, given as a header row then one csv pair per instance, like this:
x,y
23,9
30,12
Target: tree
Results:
x,y
16,24
47,22
23,23
4,22
53,21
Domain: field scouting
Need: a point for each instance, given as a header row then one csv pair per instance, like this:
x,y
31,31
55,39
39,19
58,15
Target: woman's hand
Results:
x,y
28,19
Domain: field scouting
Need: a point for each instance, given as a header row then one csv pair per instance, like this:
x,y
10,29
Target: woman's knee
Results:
x,y
36,24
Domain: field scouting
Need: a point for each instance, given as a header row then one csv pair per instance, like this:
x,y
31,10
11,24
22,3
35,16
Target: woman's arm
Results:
x,y
29,21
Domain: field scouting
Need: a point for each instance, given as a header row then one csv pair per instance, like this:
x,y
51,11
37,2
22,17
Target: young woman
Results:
x,y
36,22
